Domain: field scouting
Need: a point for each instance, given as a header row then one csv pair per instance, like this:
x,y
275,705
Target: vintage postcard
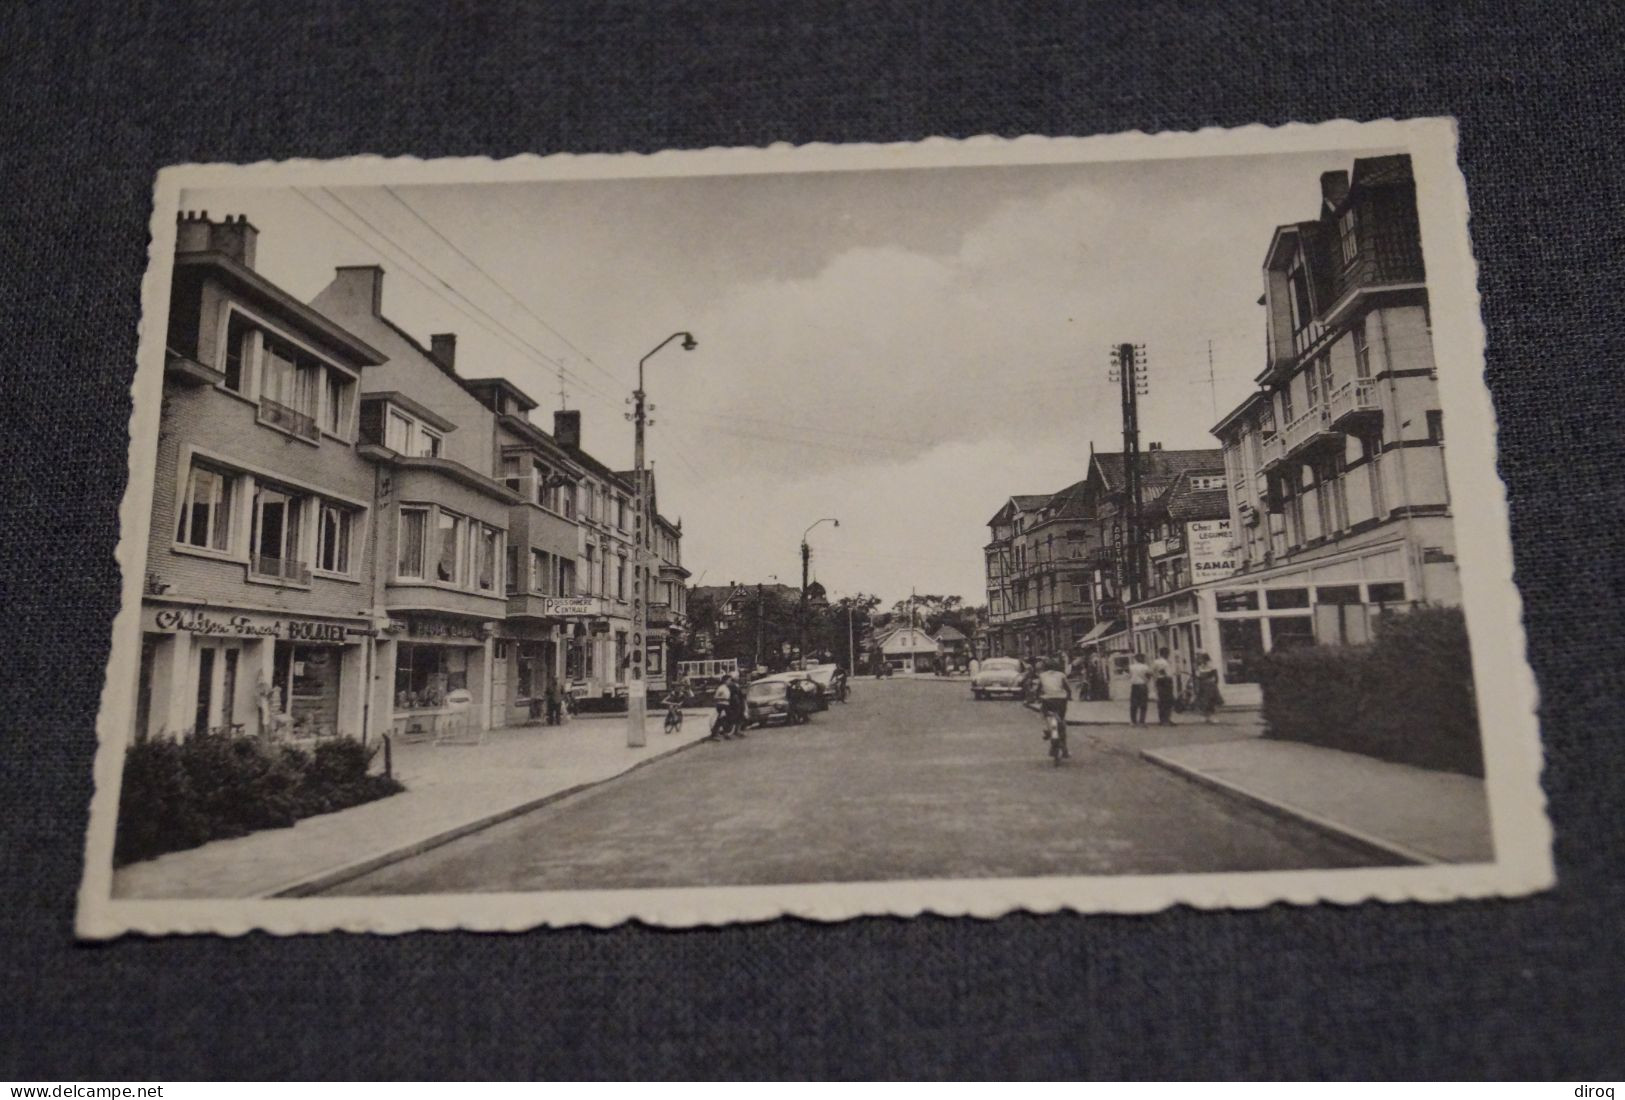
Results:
x,y
961,527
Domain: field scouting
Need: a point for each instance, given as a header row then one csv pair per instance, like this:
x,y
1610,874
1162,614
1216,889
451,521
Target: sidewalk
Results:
x,y
1407,813
451,790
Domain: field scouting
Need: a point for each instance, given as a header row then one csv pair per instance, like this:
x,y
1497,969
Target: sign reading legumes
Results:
x,y
1211,552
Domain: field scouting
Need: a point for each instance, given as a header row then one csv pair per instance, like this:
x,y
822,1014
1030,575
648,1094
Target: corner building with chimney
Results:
x,y
1335,465
259,600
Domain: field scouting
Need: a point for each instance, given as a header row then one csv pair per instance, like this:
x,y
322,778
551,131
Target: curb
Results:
x,y
324,880
1347,834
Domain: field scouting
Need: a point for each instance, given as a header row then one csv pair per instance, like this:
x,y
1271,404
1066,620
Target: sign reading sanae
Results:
x,y
1211,551
565,607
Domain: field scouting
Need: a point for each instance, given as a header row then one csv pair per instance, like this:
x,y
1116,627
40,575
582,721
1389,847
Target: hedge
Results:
x,y
1406,697
182,793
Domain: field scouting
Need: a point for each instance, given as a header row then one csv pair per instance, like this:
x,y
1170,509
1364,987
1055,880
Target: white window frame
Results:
x,y
423,541
325,508
230,485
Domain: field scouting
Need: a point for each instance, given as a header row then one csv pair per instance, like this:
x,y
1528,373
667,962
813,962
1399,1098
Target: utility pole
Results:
x,y
636,692
1129,371
801,612
759,624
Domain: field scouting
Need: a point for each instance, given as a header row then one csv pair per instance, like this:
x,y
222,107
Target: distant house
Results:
x,y
953,645
910,649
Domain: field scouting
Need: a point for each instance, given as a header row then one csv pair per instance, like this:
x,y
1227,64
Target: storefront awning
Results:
x,y
1096,632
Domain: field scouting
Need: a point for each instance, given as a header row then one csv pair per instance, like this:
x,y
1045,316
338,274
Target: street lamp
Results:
x,y
636,692
801,617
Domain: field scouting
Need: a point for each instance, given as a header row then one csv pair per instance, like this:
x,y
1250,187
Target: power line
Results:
x,y
496,283
501,331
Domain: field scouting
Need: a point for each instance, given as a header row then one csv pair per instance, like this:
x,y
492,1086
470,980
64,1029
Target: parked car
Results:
x,y
824,677
786,697
998,676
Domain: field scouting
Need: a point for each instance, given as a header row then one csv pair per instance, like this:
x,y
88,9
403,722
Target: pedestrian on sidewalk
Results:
x,y
555,703
1163,672
736,709
1139,693
1207,686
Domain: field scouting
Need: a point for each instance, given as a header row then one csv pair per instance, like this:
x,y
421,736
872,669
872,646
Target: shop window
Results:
x,y
424,674
414,532
1387,592
333,534
1240,599
305,681
1278,598
205,509
1287,631
1241,649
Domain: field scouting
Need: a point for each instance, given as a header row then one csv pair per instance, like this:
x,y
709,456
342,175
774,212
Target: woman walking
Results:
x,y
1207,686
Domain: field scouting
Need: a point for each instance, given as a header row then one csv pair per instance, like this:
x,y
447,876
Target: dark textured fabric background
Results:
x,y
97,97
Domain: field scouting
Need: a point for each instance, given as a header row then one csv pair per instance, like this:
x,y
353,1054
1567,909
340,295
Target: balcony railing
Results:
x,y
279,569
1353,399
290,420
1272,449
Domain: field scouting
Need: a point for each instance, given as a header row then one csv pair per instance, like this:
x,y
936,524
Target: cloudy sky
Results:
x,y
899,349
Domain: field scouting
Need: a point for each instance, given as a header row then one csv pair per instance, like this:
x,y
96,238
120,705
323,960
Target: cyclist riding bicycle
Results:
x,y
1053,693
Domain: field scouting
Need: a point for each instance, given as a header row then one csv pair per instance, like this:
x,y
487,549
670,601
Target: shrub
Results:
x,y
178,794
1406,697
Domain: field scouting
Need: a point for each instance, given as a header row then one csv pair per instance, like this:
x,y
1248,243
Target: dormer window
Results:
x,y
411,437
1348,235
1298,287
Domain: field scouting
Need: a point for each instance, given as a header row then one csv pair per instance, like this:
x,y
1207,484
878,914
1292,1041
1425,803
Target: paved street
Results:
x,y
910,780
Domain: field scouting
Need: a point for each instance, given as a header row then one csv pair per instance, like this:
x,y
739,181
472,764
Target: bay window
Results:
x,y
205,509
333,533
278,523
449,548
414,531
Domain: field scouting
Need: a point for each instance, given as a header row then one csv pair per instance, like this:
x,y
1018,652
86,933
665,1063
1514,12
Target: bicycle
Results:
x,y
1052,730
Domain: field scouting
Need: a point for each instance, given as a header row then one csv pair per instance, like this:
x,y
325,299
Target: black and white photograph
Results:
x,y
962,527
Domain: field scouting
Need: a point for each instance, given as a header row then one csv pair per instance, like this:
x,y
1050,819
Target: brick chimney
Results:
x,y
1334,187
358,287
567,428
234,237
443,346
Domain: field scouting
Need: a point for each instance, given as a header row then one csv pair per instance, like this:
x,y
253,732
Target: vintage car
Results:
x,y
997,676
824,677
787,697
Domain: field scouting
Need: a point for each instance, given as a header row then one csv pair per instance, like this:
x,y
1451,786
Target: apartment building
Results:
x,y
1012,611
259,601
443,522
1335,465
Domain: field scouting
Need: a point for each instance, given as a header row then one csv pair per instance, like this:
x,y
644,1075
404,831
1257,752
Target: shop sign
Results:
x,y
439,628
571,607
1111,610
1150,616
188,621
1212,553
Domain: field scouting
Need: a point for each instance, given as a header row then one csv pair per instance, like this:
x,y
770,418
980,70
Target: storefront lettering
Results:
x,y
246,626
1211,551
441,628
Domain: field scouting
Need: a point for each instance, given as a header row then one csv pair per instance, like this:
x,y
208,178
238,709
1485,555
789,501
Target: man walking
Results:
x,y
1163,672
1139,695
555,704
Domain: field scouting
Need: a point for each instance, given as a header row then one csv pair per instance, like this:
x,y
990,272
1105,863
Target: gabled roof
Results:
x,y
947,633
1181,503
1157,468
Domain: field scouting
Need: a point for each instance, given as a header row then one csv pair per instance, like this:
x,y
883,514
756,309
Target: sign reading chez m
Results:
x,y
170,620
1211,552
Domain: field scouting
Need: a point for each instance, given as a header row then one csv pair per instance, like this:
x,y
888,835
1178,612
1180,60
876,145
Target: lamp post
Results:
x,y
636,692
801,617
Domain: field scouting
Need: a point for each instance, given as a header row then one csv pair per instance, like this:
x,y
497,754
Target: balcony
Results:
x,y
661,615
1384,258
283,570
1307,431
284,418
1353,402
